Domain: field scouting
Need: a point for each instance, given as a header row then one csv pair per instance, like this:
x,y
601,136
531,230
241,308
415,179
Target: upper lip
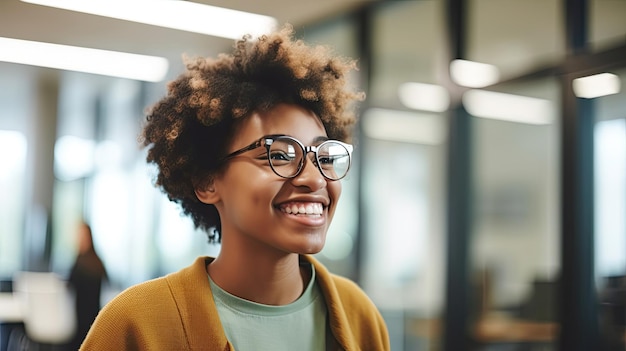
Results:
x,y
308,198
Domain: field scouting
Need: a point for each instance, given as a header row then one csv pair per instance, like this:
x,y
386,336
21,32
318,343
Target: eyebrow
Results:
x,y
320,139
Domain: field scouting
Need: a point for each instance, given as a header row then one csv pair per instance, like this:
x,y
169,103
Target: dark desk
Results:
x,y
11,318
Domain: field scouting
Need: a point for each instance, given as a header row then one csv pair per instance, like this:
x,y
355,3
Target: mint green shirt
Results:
x,y
300,325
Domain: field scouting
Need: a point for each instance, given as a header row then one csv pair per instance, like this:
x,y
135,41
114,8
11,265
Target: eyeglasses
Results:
x,y
286,156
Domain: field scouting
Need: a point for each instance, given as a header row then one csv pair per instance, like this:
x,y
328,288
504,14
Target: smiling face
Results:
x,y
260,211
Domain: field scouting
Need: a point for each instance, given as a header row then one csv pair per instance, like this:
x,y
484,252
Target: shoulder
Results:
x,y
353,298
340,288
138,303
159,294
150,313
145,291
345,284
133,316
355,320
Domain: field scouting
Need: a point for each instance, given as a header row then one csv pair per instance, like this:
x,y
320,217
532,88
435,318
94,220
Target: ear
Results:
x,y
207,194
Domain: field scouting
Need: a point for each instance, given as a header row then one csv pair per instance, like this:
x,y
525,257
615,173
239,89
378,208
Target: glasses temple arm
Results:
x,y
252,146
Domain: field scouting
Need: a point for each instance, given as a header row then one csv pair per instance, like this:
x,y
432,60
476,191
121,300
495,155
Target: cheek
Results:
x,y
334,188
256,200
258,192
334,191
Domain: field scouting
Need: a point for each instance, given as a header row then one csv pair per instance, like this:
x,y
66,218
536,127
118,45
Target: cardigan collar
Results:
x,y
198,311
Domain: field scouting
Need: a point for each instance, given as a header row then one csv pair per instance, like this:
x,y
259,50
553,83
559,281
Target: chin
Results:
x,y
311,251
311,247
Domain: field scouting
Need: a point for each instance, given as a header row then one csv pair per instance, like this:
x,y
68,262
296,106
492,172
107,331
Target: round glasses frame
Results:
x,y
267,141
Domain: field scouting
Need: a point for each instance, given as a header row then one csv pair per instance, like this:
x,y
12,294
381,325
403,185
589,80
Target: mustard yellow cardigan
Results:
x,y
177,312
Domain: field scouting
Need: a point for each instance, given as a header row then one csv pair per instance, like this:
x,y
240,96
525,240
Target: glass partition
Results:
x,y
12,188
102,177
515,238
610,213
403,172
16,92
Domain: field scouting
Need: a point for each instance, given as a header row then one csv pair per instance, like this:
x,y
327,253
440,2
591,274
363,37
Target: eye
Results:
x,y
278,157
326,160
329,161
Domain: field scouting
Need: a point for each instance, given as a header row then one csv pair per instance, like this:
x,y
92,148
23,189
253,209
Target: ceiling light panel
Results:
x,y
402,126
473,74
73,58
182,15
508,107
425,97
598,85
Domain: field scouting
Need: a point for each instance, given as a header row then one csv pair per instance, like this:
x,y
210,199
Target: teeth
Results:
x,y
310,208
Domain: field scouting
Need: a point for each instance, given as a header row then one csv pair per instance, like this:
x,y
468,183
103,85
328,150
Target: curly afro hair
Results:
x,y
187,132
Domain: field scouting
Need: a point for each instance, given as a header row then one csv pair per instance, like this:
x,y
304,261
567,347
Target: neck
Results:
x,y
270,280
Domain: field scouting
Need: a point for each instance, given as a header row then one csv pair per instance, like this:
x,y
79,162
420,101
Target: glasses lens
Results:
x,y
285,156
333,159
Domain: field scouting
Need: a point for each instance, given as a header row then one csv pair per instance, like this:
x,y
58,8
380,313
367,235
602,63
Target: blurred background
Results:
x,y
487,207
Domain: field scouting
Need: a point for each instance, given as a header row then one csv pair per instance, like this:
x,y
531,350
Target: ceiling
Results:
x,y
39,23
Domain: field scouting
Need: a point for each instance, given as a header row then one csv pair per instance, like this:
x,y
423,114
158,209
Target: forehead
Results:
x,y
292,120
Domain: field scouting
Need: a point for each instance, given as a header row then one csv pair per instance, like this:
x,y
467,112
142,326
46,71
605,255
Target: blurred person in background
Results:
x,y
252,146
86,278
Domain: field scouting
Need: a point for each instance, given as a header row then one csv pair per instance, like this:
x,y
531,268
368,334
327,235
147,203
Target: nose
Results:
x,y
310,176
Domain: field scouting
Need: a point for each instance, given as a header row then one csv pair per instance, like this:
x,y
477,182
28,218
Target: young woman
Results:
x,y
253,146
86,279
